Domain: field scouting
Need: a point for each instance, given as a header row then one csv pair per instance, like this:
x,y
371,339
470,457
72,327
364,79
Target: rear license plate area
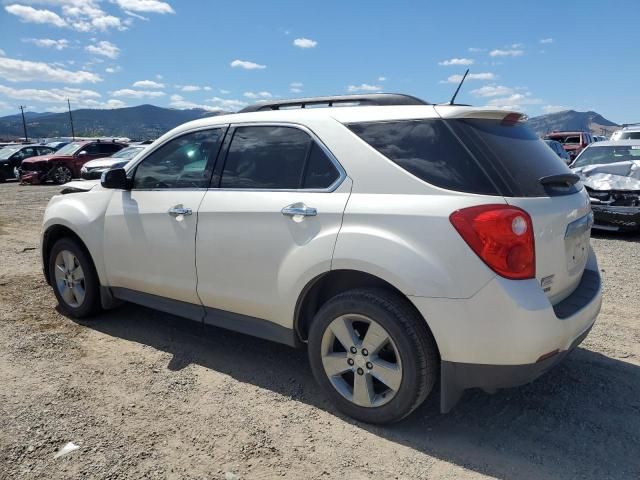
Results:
x,y
576,243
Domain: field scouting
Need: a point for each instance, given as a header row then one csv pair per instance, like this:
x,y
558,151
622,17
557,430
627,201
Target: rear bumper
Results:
x,y
616,218
508,334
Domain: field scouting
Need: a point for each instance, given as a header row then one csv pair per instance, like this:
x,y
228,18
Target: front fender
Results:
x,y
83,214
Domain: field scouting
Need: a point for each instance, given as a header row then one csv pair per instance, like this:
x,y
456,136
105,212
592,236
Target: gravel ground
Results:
x,y
148,395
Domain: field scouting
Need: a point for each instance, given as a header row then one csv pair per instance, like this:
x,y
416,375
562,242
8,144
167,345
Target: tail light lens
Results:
x,y
502,236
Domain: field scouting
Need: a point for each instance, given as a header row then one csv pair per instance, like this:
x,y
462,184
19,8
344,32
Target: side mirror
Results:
x,y
115,178
82,153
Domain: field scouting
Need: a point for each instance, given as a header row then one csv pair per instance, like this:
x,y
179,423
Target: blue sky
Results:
x,y
537,57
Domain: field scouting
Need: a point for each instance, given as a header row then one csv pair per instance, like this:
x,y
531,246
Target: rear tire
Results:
x,y
397,374
74,279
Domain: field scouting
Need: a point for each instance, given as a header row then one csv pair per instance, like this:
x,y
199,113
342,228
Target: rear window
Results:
x,y
629,136
468,155
604,155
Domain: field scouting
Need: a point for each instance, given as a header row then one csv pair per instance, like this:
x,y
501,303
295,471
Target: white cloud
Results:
x,y
506,53
364,87
476,50
159,77
546,40
190,88
48,43
147,6
216,104
296,87
492,91
382,79
305,42
457,61
27,71
554,108
104,48
87,16
227,104
224,92
130,93
295,90
54,95
148,84
112,69
32,15
135,15
517,45
207,88
516,101
254,95
471,76
246,65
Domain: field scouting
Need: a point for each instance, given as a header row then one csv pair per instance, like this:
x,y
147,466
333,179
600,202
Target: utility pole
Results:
x,y
24,124
73,132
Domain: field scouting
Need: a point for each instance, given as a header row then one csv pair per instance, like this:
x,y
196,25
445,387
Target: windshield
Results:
x,y
565,139
600,155
629,136
69,149
6,152
128,152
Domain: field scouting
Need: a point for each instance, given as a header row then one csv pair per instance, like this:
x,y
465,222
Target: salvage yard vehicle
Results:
x,y
65,164
629,131
610,172
95,168
12,156
572,142
405,243
559,150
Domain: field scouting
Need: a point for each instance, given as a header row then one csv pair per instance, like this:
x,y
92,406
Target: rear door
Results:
x,y
533,178
271,223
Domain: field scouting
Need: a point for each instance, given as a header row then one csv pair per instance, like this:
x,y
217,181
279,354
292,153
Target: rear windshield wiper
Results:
x,y
560,180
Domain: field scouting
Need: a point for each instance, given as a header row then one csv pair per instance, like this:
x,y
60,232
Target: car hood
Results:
x,y
79,186
611,176
46,158
104,162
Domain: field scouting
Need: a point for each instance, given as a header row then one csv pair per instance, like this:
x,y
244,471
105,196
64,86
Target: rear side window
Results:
x,y
429,150
276,158
105,148
517,158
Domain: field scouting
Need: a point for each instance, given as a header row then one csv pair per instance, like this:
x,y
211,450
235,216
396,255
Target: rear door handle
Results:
x,y
179,210
300,209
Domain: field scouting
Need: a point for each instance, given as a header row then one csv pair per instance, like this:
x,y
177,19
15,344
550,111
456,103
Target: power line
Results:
x,y
73,133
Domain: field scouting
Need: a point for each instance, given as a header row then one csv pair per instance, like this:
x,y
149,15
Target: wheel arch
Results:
x,y
325,286
50,236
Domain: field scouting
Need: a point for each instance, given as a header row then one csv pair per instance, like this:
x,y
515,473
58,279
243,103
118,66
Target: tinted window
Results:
x,y
602,155
45,150
266,157
513,154
429,150
108,148
184,162
91,149
320,171
630,136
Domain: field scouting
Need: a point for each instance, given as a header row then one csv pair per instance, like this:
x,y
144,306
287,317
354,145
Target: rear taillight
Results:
x,y
502,236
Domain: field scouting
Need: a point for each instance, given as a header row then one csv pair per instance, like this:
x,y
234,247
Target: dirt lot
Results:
x,y
149,395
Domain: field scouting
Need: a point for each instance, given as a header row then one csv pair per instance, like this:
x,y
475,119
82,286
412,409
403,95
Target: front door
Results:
x,y
150,230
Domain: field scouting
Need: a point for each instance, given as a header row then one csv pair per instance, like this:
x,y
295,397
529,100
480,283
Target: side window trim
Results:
x,y
211,162
224,151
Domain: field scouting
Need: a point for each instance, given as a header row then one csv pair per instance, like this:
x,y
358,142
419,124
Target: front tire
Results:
x,y
74,279
61,175
373,354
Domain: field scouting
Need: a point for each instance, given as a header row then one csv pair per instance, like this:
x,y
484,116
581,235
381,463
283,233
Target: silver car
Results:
x,y
94,169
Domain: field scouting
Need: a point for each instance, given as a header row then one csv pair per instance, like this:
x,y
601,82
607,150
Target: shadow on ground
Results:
x,y
581,420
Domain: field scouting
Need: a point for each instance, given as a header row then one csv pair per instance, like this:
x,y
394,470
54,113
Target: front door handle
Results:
x,y
299,209
179,210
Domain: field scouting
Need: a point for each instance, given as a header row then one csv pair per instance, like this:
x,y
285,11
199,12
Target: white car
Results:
x,y
403,242
627,132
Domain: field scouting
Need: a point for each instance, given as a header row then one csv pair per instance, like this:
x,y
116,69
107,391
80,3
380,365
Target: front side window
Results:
x,y
276,158
184,162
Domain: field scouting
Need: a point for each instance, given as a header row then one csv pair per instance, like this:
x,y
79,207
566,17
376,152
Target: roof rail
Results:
x,y
374,99
625,125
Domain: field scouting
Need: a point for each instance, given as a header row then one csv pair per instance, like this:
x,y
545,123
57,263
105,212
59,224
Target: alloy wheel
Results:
x,y
70,280
361,360
62,175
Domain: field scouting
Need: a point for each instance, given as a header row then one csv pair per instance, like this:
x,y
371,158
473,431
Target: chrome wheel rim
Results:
x,y
361,360
62,175
70,278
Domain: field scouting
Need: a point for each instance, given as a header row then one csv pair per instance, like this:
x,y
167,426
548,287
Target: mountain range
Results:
x,y
148,122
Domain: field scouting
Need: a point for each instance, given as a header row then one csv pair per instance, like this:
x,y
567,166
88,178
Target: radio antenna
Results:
x,y
453,99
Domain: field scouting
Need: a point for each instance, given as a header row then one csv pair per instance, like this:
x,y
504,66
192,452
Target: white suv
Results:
x,y
404,242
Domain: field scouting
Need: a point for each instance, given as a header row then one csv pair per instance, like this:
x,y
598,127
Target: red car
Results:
x,y
65,164
572,142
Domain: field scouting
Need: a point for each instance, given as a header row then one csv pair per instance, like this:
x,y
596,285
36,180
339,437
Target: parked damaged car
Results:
x,y
610,172
66,163
95,168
